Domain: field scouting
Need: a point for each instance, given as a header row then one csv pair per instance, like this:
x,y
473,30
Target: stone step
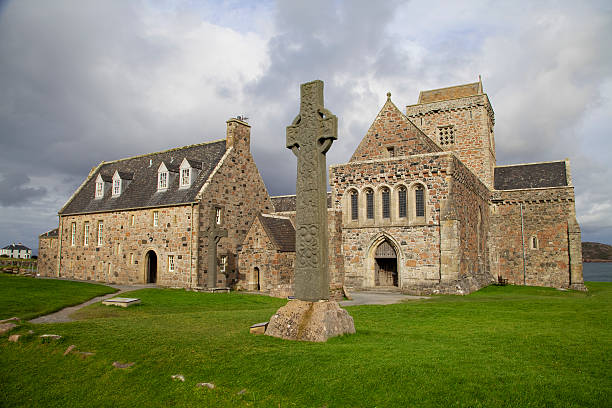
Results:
x,y
382,289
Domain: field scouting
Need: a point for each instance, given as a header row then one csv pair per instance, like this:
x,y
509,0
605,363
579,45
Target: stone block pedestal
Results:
x,y
310,321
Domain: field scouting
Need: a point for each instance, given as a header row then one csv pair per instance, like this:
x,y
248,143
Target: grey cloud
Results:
x,y
14,189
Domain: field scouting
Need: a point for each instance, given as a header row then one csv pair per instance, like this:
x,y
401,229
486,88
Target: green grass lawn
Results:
x,y
501,346
27,298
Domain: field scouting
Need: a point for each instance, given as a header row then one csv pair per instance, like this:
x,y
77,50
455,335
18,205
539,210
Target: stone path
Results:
x,y
378,298
63,315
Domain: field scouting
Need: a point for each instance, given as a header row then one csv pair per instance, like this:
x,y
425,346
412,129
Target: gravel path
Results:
x,y
378,298
62,316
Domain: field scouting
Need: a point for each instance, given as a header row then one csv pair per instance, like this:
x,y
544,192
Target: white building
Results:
x,y
16,251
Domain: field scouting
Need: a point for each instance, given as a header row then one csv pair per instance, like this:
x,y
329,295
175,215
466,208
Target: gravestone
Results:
x,y
311,317
215,233
121,302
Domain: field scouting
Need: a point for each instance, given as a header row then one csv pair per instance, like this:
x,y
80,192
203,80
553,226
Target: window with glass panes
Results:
x,y
419,201
354,205
370,204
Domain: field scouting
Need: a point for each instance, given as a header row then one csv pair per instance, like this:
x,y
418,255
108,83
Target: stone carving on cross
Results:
x,y
215,233
309,137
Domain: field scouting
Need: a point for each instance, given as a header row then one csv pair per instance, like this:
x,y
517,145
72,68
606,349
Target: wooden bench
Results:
x,y
501,281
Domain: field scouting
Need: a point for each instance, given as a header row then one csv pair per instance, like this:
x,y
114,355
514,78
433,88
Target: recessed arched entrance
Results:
x,y
257,278
151,267
385,264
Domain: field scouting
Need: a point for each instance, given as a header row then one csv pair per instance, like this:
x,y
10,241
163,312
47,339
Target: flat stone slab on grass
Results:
x,y
117,364
121,302
50,336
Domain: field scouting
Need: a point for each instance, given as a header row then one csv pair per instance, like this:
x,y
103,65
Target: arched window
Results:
x,y
369,204
354,206
419,200
401,198
386,203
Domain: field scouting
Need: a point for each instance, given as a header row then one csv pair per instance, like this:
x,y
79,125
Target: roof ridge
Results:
x,y
450,87
164,151
530,164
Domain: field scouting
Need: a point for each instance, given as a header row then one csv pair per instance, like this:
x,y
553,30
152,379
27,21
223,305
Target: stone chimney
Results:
x,y
238,133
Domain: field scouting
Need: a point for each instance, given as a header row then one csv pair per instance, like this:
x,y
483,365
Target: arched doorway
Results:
x,y
151,267
257,278
385,264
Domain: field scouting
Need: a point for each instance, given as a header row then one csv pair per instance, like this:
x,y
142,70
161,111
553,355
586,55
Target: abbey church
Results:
x,y
421,207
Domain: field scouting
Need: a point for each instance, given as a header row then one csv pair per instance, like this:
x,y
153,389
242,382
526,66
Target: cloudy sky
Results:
x,y
86,81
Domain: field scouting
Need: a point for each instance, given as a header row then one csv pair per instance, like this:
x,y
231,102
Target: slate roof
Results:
x,y
17,247
453,92
287,203
552,174
50,234
142,192
280,231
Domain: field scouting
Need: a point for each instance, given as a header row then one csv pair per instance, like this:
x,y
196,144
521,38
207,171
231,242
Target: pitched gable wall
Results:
x,y
238,188
391,128
275,267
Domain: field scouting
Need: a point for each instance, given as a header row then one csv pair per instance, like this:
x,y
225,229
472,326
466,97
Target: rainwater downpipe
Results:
x,y
191,250
523,244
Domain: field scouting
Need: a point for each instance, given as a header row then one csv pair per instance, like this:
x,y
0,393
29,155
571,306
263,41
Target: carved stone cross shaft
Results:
x,y
309,137
215,233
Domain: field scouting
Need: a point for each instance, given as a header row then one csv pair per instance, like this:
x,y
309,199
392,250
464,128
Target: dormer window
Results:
x,y
166,175
189,171
99,189
102,183
185,177
117,187
120,182
162,180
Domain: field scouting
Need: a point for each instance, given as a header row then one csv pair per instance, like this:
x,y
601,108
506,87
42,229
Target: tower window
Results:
x,y
534,242
391,151
170,263
446,135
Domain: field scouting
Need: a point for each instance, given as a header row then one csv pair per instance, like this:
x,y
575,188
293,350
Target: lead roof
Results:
x,y
538,175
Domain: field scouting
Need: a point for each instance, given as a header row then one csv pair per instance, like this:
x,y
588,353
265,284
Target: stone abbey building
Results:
x,y
421,206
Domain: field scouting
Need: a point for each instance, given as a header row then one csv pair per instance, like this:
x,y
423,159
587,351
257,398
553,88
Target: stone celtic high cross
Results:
x,y
309,137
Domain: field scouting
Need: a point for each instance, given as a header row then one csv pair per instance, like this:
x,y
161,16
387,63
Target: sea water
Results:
x,y
597,271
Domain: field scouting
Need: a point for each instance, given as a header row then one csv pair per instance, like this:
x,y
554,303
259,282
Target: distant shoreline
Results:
x,y
597,260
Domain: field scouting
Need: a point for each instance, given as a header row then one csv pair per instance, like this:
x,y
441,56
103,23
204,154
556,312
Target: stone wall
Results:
x,y
465,227
238,189
127,236
416,240
549,237
472,120
47,256
392,130
276,269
